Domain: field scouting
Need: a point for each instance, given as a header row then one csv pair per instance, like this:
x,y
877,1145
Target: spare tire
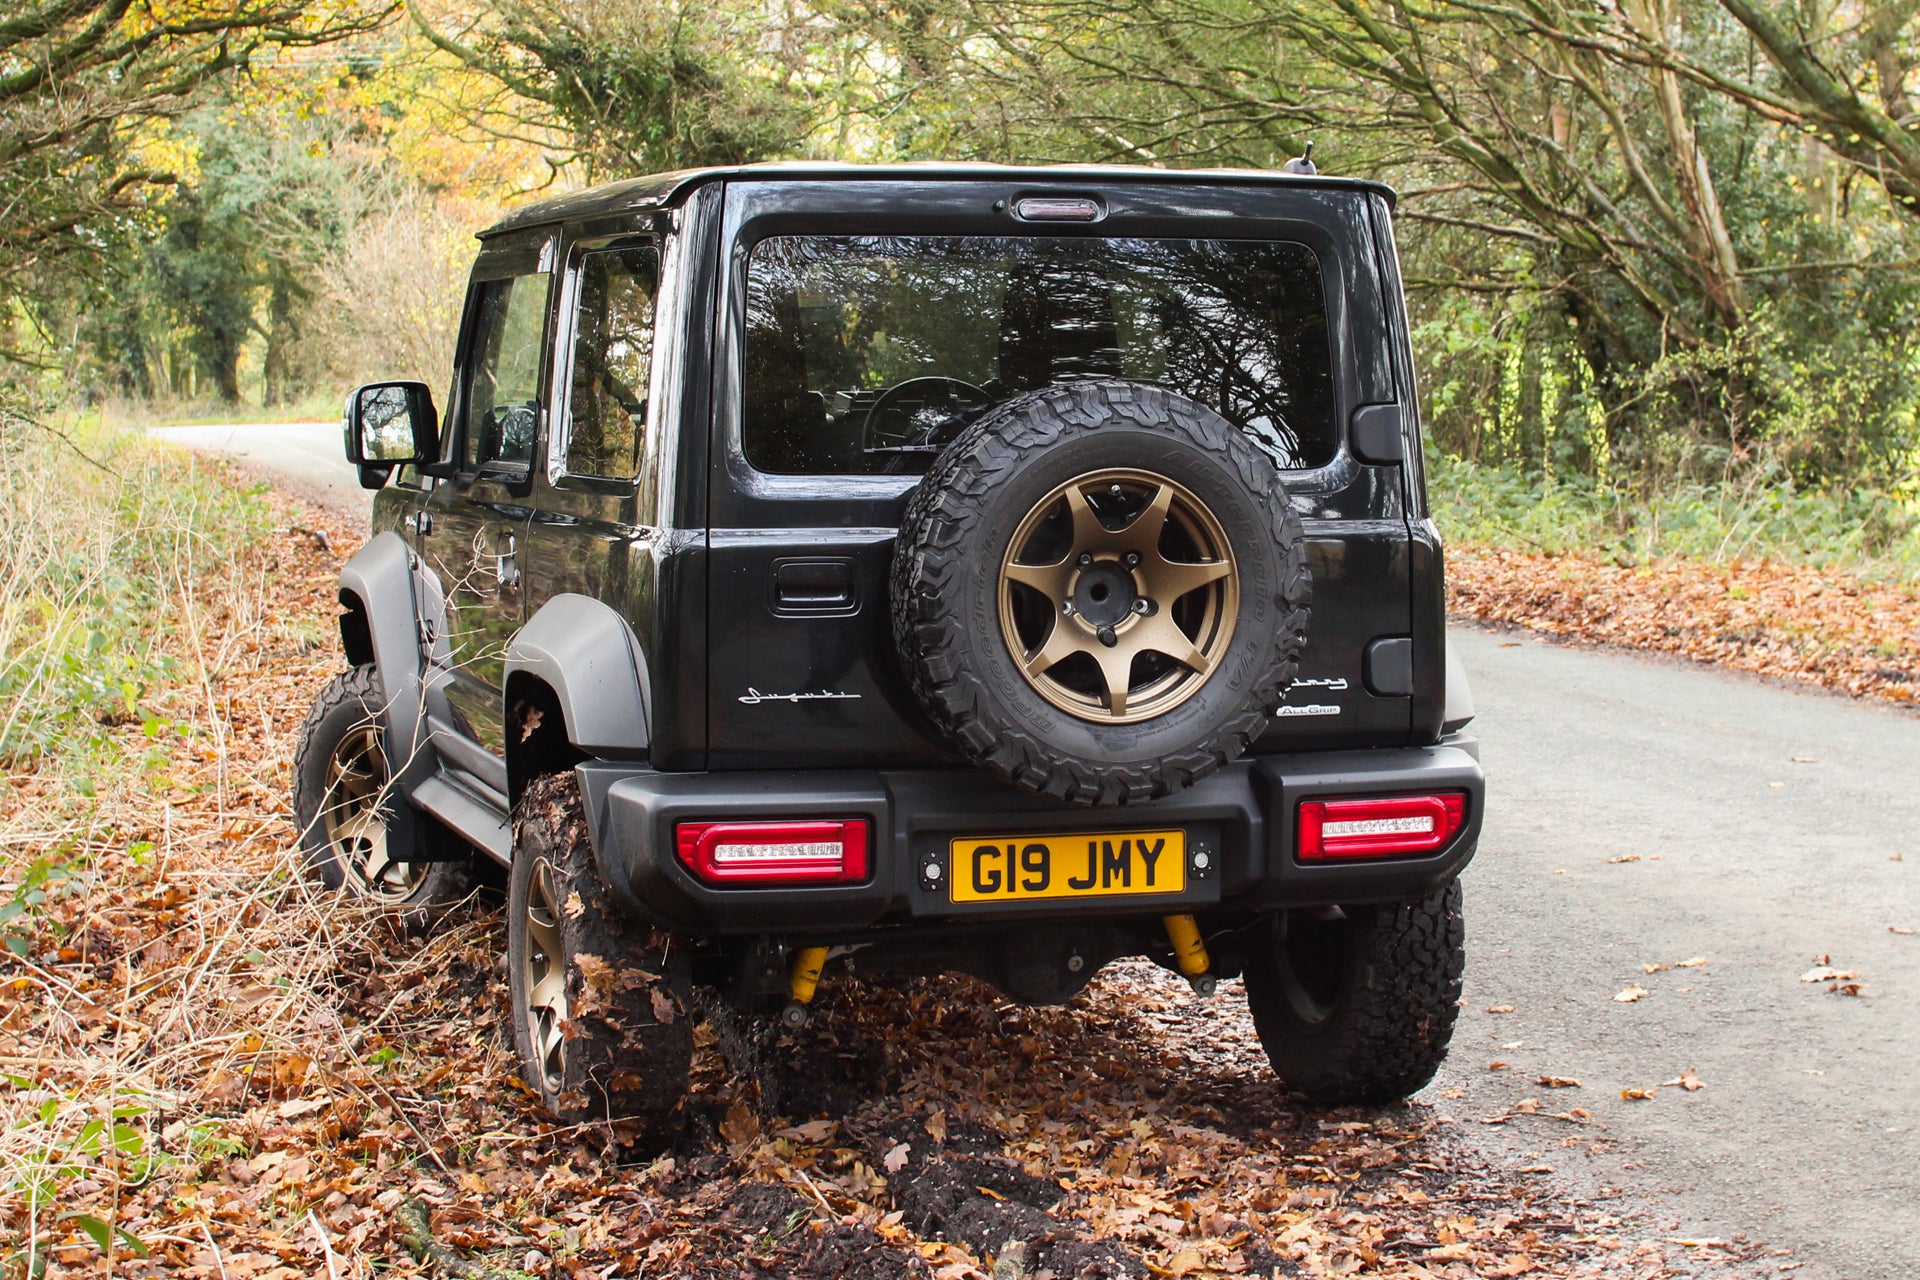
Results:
x,y
1100,592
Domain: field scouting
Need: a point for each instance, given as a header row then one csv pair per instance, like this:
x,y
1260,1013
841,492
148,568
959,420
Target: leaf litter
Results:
x,y
213,1070
1817,626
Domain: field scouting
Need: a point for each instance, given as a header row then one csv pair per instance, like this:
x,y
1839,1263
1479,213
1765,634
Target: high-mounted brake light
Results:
x,y
815,851
1057,209
1386,827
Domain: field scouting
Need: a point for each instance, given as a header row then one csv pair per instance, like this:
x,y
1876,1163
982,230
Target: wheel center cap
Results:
x,y
1103,594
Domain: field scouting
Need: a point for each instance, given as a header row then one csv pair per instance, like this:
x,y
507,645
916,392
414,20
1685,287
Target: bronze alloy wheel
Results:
x,y
354,821
1118,595
546,979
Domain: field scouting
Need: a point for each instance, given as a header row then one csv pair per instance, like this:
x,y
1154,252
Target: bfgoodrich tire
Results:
x,y
344,808
1100,592
600,1001
1358,1009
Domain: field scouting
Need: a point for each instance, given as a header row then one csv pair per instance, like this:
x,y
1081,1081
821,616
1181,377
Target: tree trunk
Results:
x,y
1706,227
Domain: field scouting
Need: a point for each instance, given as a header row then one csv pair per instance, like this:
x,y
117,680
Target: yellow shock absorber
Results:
x,y
1190,951
802,981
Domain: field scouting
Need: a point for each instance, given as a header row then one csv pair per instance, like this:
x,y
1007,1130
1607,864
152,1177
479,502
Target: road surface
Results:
x,y
1647,812
306,458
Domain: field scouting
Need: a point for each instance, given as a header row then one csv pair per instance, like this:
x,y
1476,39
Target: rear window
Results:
x,y
865,355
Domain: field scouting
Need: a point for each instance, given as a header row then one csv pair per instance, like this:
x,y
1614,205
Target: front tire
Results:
x,y
1359,1009
600,1001
344,805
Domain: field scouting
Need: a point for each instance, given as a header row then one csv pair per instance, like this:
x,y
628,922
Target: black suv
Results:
x,y
909,568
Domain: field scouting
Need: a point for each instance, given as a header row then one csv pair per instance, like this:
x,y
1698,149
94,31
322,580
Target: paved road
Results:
x,y
1755,826
305,457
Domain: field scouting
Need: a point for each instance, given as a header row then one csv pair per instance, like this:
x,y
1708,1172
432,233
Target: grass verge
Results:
x,y
1819,590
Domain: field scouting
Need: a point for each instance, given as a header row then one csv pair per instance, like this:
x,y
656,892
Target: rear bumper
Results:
x,y
1242,816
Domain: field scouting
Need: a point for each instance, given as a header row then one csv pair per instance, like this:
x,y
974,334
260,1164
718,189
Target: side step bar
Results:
x,y
477,821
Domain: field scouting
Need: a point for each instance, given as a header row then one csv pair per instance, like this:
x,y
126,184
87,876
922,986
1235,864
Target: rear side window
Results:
x,y
612,360
865,355
503,396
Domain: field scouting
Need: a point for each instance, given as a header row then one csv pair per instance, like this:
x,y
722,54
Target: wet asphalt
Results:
x,y
1645,811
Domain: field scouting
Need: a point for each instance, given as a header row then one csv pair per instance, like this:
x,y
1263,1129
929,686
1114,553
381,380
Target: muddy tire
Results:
x,y
600,1001
344,810
1359,1010
1100,592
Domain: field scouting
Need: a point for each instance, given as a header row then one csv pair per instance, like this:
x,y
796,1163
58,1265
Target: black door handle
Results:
x,y
814,586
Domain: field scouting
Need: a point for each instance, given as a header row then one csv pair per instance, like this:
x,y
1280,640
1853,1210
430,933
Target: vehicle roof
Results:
x,y
663,190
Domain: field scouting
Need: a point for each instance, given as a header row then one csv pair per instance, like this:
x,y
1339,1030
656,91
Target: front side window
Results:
x,y
866,355
503,388
612,358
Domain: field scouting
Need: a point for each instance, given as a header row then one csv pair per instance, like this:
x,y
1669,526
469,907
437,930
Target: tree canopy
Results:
x,y
1642,236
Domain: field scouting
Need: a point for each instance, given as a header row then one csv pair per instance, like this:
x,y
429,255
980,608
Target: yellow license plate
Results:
x,y
1083,865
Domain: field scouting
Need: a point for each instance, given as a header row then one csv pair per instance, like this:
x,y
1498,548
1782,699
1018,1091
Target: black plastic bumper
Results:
x,y
1242,817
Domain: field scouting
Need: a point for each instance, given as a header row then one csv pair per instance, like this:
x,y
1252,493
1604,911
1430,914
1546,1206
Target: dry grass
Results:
x,y
165,958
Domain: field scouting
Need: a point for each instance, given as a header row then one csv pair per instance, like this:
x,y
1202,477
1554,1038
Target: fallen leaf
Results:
x,y
1625,857
1900,929
937,1126
1826,973
1500,1008
1804,759
297,1107
1652,968
1632,993
1708,1243
1686,1080
1557,1082
1183,1263
1846,988
1636,1095
1499,1066
814,1131
1693,962
896,1159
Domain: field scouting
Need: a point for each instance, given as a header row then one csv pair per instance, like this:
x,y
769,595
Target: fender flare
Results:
x,y
379,579
587,654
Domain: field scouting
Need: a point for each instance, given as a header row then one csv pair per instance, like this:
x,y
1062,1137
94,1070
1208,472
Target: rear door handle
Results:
x,y
816,586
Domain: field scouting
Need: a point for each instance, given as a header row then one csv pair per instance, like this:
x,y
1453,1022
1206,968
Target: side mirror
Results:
x,y
390,423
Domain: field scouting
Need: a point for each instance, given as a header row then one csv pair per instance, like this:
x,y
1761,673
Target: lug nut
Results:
x,y
1107,637
1066,607
1133,559
1143,606
1086,558
1114,490
1075,963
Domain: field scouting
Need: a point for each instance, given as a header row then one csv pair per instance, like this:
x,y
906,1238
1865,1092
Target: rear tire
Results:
x,y
600,1001
343,805
1361,1009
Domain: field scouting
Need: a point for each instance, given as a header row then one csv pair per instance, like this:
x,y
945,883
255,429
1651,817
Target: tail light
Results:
x,y
1386,827
815,851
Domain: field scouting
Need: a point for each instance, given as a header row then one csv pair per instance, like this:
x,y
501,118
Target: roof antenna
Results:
x,y
1302,163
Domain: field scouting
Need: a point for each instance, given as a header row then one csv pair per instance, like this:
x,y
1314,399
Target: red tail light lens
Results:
x,y
1387,827
747,853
